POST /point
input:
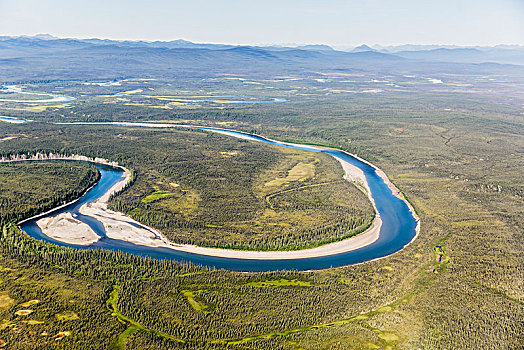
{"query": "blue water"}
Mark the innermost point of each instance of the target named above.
(398, 223)
(217, 99)
(273, 100)
(14, 120)
(222, 99)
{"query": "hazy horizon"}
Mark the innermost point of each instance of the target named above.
(277, 44)
(334, 22)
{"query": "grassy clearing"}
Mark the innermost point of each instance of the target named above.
(5, 323)
(32, 322)
(157, 195)
(30, 303)
(185, 202)
(228, 154)
(40, 108)
(5, 300)
(195, 304)
(67, 316)
(130, 92)
(300, 172)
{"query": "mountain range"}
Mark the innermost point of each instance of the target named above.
(46, 57)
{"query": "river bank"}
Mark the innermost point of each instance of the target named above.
(395, 224)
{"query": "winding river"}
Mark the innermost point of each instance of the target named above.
(18, 90)
(399, 223)
(225, 101)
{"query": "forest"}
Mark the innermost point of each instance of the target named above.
(30, 188)
(455, 154)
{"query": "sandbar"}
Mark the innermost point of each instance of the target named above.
(65, 228)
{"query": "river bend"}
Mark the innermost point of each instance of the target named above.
(399, 223)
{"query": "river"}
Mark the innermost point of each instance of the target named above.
(399, 225)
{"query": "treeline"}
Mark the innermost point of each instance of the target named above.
(150, 293)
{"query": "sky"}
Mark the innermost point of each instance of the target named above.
(334, 22)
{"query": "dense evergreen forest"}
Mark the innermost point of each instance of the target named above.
(456, 155)
(30, 188)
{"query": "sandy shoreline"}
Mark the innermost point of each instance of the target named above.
(122, 227)
(346, 245)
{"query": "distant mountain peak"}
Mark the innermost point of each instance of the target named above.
(362, 48)
(180, 41)
(45, 37)
(315, 47)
